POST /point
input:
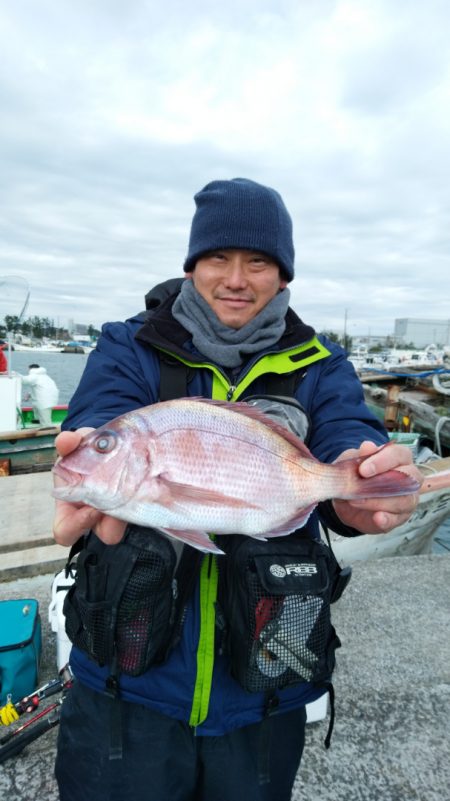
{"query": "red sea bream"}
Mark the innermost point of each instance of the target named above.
(193, 466)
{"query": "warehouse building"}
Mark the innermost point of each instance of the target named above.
(421, 333)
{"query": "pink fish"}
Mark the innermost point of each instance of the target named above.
(192, 466)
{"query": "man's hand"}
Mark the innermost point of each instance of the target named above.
(72, 520)
(379, 515)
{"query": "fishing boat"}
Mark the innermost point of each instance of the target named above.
(411, 393)
(25, 447)
(76, 347)
(428, 358)
(59, 414)
(409, 405)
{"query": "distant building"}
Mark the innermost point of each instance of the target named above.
(370, 340)
(80, 328)
(83, 338)
(421, 332)
(77, 329)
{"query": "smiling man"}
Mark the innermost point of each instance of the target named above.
(237, 284)
(187, 727)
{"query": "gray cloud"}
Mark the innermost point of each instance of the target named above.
(113, 116)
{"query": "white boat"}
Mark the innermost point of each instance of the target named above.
(38, 348)
(392, 360)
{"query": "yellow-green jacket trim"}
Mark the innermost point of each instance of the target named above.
(205, 649)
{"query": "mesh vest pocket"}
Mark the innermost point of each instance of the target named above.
(145, 613)
(275, 598)
(123, 605)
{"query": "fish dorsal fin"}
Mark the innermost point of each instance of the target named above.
(256, 414)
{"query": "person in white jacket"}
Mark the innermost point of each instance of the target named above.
(43, 393)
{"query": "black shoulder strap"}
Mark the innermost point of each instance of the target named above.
(173, 378)
(284, 385)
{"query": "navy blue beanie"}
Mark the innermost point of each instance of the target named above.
(241, 215)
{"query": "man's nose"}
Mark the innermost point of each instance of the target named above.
(236, 275)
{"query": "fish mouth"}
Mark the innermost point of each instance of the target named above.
(69, 486)
(65, 477)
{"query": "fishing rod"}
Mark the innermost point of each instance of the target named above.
(15, 740)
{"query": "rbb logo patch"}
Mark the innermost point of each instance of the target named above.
(297, 569)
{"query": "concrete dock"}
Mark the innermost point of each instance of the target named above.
(27, 546)
(391, 740)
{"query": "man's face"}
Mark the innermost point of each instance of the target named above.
(237, 284)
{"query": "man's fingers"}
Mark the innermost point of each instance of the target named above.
(110, 530)
(388, 457)
(70, 523)
(67, 441)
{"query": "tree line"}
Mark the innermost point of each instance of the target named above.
(39, 327)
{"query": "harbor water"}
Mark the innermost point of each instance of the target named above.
(66, 370)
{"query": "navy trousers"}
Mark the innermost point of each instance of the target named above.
(163, 760)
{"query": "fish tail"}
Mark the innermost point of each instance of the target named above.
(389, 483)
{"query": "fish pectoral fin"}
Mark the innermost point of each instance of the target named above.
(198, 539)
(300, 518)
(174, 493)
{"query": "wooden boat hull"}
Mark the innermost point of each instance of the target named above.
(30, 449)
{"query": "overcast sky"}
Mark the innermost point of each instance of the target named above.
(114, 113)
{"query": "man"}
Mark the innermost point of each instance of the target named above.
(189, 731)
(43, 393)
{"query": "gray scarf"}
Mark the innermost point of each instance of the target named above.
(220, 343)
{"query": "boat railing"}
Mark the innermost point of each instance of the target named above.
(437, 434)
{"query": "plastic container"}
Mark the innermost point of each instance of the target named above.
(410, 439)
(10, 393)
(317, 710)
(60, 585)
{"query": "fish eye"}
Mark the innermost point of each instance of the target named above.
(105, 442)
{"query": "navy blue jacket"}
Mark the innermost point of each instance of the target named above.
(122, 374)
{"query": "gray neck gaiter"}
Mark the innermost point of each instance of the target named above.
(220, 343)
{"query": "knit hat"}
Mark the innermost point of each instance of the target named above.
(241, 214)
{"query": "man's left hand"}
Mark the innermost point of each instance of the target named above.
(379, 515)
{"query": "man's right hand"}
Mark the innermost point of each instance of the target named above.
(72, 520)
